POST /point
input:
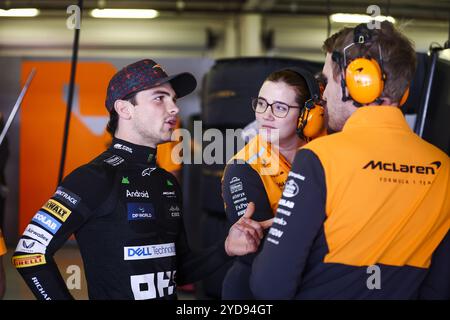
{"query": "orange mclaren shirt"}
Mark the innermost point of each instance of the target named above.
(401, 184)
(270, 167)
(373, 194)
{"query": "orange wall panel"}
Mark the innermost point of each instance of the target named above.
(42, 119)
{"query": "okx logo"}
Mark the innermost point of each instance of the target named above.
(153, 285)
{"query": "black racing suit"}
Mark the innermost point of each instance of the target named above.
(127, 218)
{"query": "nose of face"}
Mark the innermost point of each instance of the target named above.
(268, 115)
(172, 108)
(324, 94)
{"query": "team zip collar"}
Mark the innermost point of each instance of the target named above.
(377, 116)
(133, 152)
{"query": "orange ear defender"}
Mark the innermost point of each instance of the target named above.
(364, 80)
(311, 122)
(363, 77)
(404, 98)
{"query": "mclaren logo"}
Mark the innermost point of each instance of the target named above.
(407, 168)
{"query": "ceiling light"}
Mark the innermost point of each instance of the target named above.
(125, 13)
(358, 18)
(23, 12)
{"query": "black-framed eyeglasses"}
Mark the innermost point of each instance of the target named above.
(279, 109)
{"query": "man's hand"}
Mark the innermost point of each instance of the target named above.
(245, 235)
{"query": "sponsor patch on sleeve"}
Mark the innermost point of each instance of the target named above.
(30, 246)
(235, 185)
(291, 189)
(37, 233)
(67, 197)
(28, 260)
(57, 209)
(44, 219)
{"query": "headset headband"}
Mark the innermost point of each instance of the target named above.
(313, 86)
(362, 34)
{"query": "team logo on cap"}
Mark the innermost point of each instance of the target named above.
(158, 66)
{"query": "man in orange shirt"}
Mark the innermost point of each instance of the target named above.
(365, 212)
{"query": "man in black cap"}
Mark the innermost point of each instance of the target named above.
(125, 212)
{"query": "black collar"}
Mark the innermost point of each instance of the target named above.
(133, 152)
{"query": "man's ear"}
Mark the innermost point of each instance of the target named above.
(123, 109)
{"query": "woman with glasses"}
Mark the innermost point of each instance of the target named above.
(258, 172)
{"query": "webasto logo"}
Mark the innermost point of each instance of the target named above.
(137, 194)
(406, 168)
